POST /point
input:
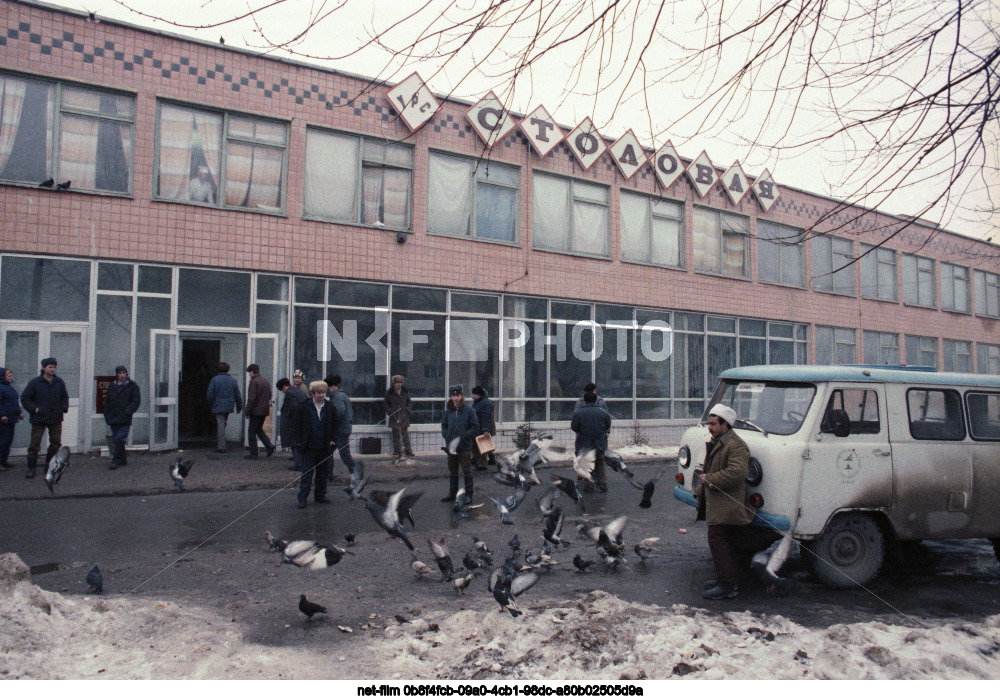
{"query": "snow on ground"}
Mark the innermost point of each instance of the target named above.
(45, 635)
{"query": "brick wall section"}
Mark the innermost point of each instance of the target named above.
(65, 45)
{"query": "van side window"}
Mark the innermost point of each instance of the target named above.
(984, 415)
(935, 414)
(861, 407)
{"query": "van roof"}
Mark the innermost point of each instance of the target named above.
(860, 373)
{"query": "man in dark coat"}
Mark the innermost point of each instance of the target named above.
(591, 424)
(121, 400)
(459, 427)
(223, 398)
(10, 414)
(288, 427)
(723, 492)
(46, 400)
(483, 407)
(316, 432)
(397, 404)
(257, 410)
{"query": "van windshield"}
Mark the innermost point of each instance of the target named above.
(776, 407)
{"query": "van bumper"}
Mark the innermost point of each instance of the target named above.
(777, 522)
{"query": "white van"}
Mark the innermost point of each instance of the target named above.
(851, 459)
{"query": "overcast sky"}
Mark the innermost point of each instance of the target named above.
(655, 117)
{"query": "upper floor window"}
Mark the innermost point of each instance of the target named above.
(954, 288)
(652, 230)
(356, 179)
(878, 273)
(918, 281)
(987, 294)
(720, 243)
(833, 265)
(472, 198)
(221, 159)
(58, 132)
(779, 254)
(570, 216)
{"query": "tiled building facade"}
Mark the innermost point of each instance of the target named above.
(221, 203)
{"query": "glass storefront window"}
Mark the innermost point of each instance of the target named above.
(213, 298)
(44, 289)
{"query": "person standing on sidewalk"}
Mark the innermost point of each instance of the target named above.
(288, 427)
(316, 432)
(46, 400)
(459, 427)
(397, 404)
(257, 410)
(344, 425)
(121, 400)
(483, 407)
(10, 414)
(223, 398)
(592, 425)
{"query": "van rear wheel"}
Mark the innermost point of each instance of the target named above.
(849, 553)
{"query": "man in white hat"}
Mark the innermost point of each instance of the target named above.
(201, 188)
(723, 494)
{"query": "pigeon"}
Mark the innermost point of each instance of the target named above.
(443, 559)
(462, 505)
(519, 468)
(452, 447)
(421, 569)
(645, 548)
(608, 538)
(515, 544)
(312, 555)
(462, 583)
(47, 184)
(614, 460)
(179, 471)
(57, 465)
(647, 488)
(480, 546)
(568, 486)
(546, 503)
(273, 542)
(309, 608)
(503, 510)
(349, 538)
(470, 562)
(354, 489)
(581, 564)
(553, 528)
(64, 185)
(389, 514)
(767, 563)
(95, 580)
(514, 500)
(583, 465)
(505, 591)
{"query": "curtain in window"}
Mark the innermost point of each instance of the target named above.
(496, 213)
(176, 132)
(208, 136)
(331, 177)
(635, 228)
(253, 176)
(371, 194)
(666, 242)
(449, 195)
(396, 205)
(734, 254)
(590, 228)
(551, 213)
(11, 101)
(78, 150)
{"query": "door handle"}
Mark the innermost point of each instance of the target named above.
(881, 453)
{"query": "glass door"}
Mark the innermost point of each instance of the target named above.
(263, 351)
(163, 376)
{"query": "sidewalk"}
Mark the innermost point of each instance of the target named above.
(147, 473)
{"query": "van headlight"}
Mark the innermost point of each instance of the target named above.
(755, 473)
(684, 456)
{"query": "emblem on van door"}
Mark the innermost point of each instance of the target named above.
(849, 463)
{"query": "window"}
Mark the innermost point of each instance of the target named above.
(779, 254)
(835, 346)
(720, 243)
(61, 132)
(987, 358)
(221, 159)
(954, 288)
(878, 273)
(921, 351)
(918, 281)
(861, 408)
(935, 414)
(652, 230)
(570, 216)
(957, 355)
(472, 198)
(987, 294)
(833, 268)
(881, 348)
(984, 415)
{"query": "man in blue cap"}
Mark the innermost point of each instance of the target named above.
(120, 402)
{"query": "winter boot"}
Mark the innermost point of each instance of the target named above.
(468, 489)
(32, 464)
(122, 455)
(452, 489)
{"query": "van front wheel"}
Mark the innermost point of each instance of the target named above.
(849, 552)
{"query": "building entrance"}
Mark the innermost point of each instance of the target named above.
(201, 354)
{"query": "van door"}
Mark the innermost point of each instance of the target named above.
(852, 472)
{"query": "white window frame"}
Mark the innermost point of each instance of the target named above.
(874, 260)
(651, 217)
(952, 350)
(882, 342)
(919, 348)
(824, 248)
(987, 358)
(987, 291)
(838, 339)
(576, 194)
(725, 225)
(955, 288)
(479, 171)
(784, 239)
(919, 282)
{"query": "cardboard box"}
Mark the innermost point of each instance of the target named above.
(485, 444)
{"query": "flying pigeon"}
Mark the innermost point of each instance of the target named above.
(354, 489)
(645, 548)
(546, 503)
(312, 555)
(95, 580)
(767, 563)
(389, 514)
(553, 528)
(582, 564)
(452, 447)
(443, 559)
(419, 568)
(273, 542)
(519, 468)
(57, 465)
(608, 538)
(568, 486)
(462, 505)
(179, 471)
(614, 460)
(583, 465)
(309, 608)
(647, 488)
(506, 589)
(503, 510)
